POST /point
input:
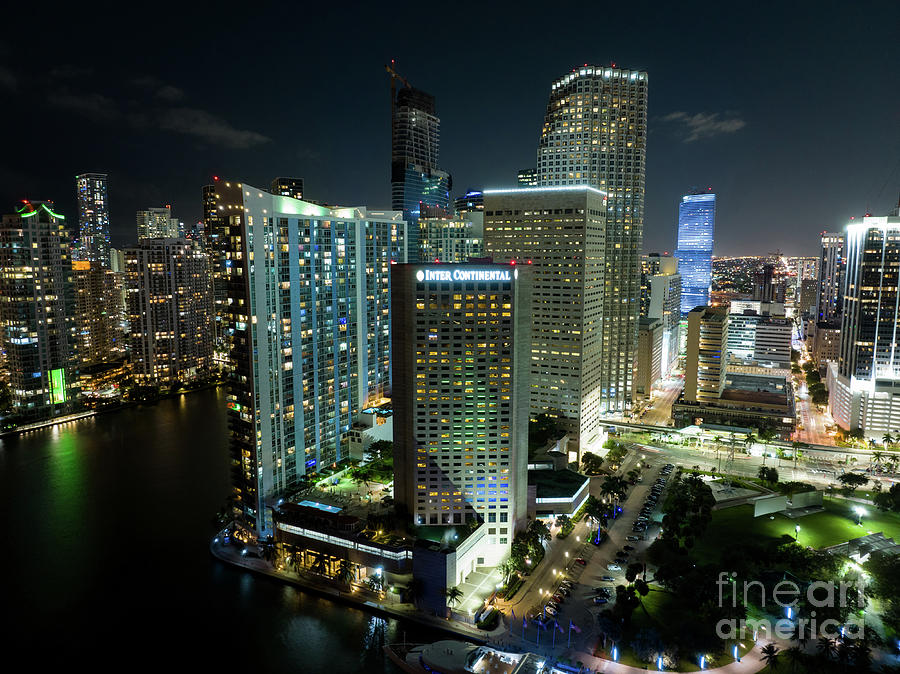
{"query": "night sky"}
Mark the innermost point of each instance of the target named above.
(789, 111)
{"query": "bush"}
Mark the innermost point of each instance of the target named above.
(510, 591)
(490, 621)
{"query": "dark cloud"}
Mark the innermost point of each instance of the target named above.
(169, 93)
(210, 128)
(92, 105)
(7, 79)
(704, 125)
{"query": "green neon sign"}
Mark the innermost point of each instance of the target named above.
(32, 213)
(58, 386)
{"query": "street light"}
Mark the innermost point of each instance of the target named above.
(797, 533)
(859, 513)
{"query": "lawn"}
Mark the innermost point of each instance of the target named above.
(662, 610)
(837, 524)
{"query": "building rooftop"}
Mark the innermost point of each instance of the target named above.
(556, 483)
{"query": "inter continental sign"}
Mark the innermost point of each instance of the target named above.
(464, 275)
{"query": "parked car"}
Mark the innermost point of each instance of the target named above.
(608, 579)
(632, 538)
(558, 598)
(613, 567)
(628, 547)
(551, 611)
(601, 600)
(581, 560)
(565, 592)
(621, 560)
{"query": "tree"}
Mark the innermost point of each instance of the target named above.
(453, 595)
(609, 626)
(887, 438)
(795, 656)
(591, 463)
(647, 644)
(382, 449)
(345, 573)
(749, 441)
(888, 500)
(540, 532)
(769, 655)
(851, 481)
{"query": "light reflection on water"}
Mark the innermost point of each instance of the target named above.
(108, 521)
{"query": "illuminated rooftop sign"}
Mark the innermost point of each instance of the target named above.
(464, 275)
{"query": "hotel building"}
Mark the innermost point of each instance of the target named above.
(461, 345)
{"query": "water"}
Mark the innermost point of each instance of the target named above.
(106, 525)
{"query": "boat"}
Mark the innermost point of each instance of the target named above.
(460, 657)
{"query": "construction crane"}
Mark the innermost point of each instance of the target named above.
(394, 77)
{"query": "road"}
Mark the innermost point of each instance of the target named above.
(662, 399)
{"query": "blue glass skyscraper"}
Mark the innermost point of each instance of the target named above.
(696, 222)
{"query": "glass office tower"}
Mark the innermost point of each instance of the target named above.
(93, 217)
(696, 223)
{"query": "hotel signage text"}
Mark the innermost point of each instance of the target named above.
(463, 275)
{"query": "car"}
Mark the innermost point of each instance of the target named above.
(628, 547)
(603, 591)
(608, 579)
(632, 538)
(551, 611)
(621, 553)
(558, 598)
(620, 560)
(613, 567)
(567, 584)
(553, 605)
(581, 560)
(601, 600)
(564, 592)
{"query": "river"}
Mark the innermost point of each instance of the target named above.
(107, 522)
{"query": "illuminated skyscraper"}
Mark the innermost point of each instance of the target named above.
(157, 223)
(864, 386)
(287, 187)
(831, 274)
(696, 225)
(93, 217)
(416, 180)
(169, 309)
(461, 345)
(37, 310)
(306, 320)
(586, 297)
(527, 177)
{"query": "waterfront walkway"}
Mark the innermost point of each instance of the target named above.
(501, 638)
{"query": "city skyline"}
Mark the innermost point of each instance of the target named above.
(735, 139)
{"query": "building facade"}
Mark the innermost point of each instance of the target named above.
(416, 180)
(696, 228)
(586, 299)
(661, 298)
(706, 362)
(831, 273)
(648, 356)
(452, 239)
(170, 311)
(462, 348)
(92, 194)
(37, 311)
(287, 187)
(527, 177)
(307, 323)
(864, 388)
(157, 223)
(99, 310)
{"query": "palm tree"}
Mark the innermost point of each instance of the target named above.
(796, 657)
(749, 441)
(878, 456)
(769, 655)
(887, 438)
(345, 572)
(766, 435)
(825, 647)
(318, 565)
(452, 595)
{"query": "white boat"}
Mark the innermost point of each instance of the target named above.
(460, 657)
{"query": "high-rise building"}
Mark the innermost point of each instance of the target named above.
(661, 299)
(831, 272)
(416, 180)
(767, 287)
(807, 269)
(471, 202)
(157, 223)
(217, 209)
(807, 297)
(451, 239)
(287, 187)
(705, 364)
(98, 313)
(527, 177)
(586, 299)
(93, 217)
(169, 308)
(461, 353)
(864, 387)
(595, 133)
(37, 317)
(307, 323)
(648, 356)
(696, 228)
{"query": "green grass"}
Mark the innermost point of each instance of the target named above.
(837, 524)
